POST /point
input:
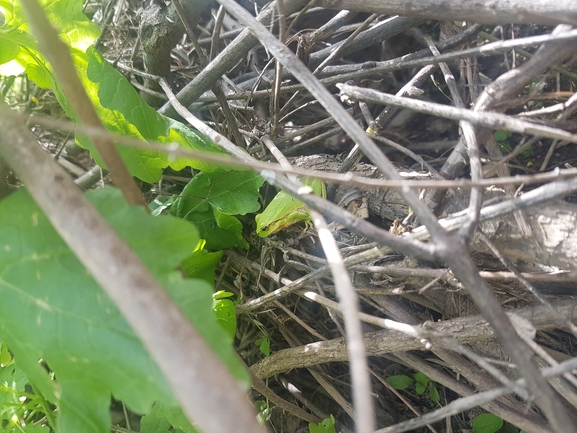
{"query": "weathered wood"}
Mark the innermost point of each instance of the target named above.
(478, 11)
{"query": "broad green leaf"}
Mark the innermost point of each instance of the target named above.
(487, 423)
(153, 423)
(202, 264)
(8, 51)
(327, 425)
(284, 210)
(53, 310)
(231, 192)
(399, 381)
(210, 201)
(175, 416)
(224, 232)
(117, 103)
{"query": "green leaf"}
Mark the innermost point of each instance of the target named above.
(327, 425)
(527, 152)
(420, 388)
(263, 344)
(117, 103)
(264, 411)
(501, 135)
(434, 393)
(8, 51)
(422, 378)
(160, 204)
(211, 199)
(224, 232)
(202, 264)
(153, 423)
(53, 310)
(487, 423)
(230, 192)
(225, 311)
(161, 415)
(399, 381)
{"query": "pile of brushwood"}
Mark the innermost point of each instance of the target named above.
(421, 277)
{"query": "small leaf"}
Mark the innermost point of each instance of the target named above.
(501, 135)
(422, 378)
(263, 411)
(434, 393)
(222, 294)
(487, 423)
(263, 344)
(327, 425)
(527, 152)
(202, 264)
(400, 381)
(420, 388)
(173, 415)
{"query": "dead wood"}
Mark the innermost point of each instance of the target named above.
(398, 269)
(510, 11)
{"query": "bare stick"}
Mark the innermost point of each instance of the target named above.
(481, 11)
(489, 119)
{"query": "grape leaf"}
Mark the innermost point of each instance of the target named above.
(202, 264)
(52, 309)
(210, 201)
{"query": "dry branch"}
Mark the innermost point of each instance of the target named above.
(485, 11)
(463, 329)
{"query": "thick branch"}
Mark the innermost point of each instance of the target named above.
(465, 330)
(479, 11)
